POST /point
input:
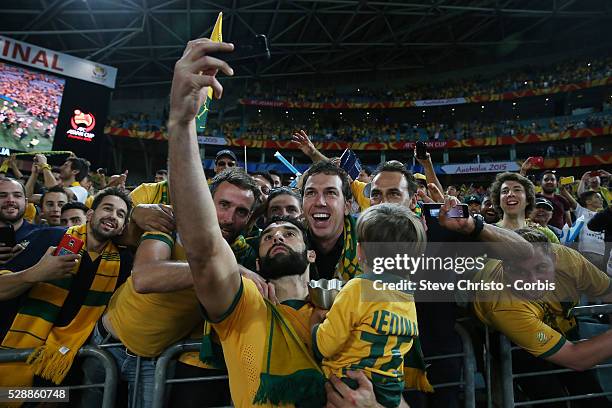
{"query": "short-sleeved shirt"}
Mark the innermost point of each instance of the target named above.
(149, 323)
(367, 329)
(151, 193)
(560, 206)
(243, 332)
(358, 189)
(588, 240)
(541, 327)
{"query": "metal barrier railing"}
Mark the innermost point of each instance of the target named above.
(108, 363)
(161, 371)
(467, 382)
(508, 376)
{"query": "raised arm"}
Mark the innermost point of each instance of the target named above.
(215, 272)
(428, 168)
(568, 196)
(41, 160)
(307, 147)
(29, 186)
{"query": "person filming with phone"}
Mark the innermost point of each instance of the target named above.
(52, 306)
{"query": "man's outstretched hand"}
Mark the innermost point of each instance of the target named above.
(193, 74)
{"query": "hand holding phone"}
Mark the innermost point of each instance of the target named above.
(537, 160)
(254, 50)
(69, 245)
(595, 173)
(421, 150)
(51, 267)
(432, 210)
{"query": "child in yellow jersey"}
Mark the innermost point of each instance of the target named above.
(371, 327)
(371, 330)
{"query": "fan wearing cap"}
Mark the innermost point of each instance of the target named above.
(542, 214)
(473, 203)
(224, 159)
(421, 181)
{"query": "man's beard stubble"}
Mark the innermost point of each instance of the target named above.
(283, 264)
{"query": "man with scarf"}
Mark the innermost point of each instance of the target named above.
(327, 196)
(161, 285)
(266, 345)
(57, 312)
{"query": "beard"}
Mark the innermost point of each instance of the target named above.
(283, 264)
(10, 219)
(548, 189)
(100, 234)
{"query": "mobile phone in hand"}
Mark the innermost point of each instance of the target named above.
(421, 150)
(7, 236)
(432, 210)
(68, 245)
(245, 52)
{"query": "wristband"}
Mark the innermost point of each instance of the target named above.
(45, 166)
(479, 225)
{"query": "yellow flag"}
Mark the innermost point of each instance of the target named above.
(202, 115)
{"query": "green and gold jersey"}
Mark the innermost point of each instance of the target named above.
(541, 327)
(368, 329)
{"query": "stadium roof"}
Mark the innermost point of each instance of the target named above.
(144, 38)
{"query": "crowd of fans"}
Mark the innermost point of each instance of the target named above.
(30, 103)
(376, 132)
(568, 72)
(246, 265)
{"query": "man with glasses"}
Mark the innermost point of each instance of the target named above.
(224, 159)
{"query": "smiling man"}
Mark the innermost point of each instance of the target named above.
(327, 196)
(161, 285)
(537, 318)
(561, 207)
(67, 301)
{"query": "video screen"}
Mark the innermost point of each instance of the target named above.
(29, 107)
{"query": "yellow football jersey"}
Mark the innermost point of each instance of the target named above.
(368, 329)
(541, 327)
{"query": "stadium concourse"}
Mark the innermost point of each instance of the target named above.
(382, 204)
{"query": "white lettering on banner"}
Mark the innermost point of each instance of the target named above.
(52, 61)
(5, 151)
(212, 140)
(429, 144)
(440, 102)
(496, 167)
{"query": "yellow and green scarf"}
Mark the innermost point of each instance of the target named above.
(5, 164)
(289, 374)
(33, 327)
(348, 265)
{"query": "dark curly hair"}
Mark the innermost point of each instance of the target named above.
(508, 176)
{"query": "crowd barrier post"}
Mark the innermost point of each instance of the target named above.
(505, 352)
(161, 370)
(469, 367)
(107, 361)
(487, 366)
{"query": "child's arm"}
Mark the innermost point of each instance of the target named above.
(329, 337)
